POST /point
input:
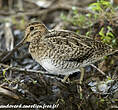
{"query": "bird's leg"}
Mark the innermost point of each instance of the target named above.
(82, 75)
(65, 78)
(79, 88)
(81, 78)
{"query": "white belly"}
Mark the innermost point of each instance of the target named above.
(51, 68)
(48, 65)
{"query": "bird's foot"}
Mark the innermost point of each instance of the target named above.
(65, 79)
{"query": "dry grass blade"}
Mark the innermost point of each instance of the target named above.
(9, 39)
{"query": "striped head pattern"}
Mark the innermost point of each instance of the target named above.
(33, 30)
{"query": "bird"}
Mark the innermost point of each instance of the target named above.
(63, 52)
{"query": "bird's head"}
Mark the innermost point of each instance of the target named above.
(35, 29)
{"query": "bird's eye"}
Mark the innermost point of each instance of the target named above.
(31, 28)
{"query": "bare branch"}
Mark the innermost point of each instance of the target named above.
(11, 52)
(22, 69)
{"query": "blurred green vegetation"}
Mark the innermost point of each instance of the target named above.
(103, 10)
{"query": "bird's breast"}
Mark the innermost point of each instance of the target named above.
(48, 64)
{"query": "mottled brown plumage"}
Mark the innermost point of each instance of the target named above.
(63, 52)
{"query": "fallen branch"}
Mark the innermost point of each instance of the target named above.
(22, 69)
(8, 92)
(11, 52)
(45, 11)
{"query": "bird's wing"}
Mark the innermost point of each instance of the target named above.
(70, 46)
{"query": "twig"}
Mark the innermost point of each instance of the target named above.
(8, 92)
(98, 69)
(11, 52)
(29, 71)
(22, 69)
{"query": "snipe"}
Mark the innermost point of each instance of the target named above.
(63, 52)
